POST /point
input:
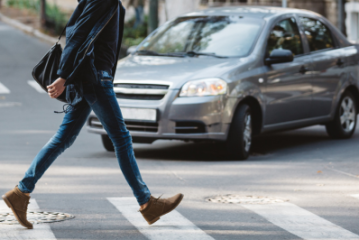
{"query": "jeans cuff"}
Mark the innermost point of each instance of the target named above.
(146, 199)
(23, 188)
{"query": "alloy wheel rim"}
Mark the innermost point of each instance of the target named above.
(347, 114)
(247, 133)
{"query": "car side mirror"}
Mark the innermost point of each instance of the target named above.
(131, 50)
(279, 56)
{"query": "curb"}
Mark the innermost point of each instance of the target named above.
(29, 30)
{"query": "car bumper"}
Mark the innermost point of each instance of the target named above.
(186, 118)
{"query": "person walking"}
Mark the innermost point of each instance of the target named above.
(86, 71)
(139, 10)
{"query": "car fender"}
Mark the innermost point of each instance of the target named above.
(243, 90)
(349, 79)
(345, 82)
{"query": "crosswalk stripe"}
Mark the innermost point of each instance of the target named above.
(36, 86)
(355, 196)
(301, 222)
(18, 232)
(3, 89)
(173, 226)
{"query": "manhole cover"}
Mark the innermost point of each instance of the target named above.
(8, 218)
(244, 199)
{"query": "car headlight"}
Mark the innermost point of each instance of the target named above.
(204, 87)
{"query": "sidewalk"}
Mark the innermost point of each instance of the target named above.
(27, 22)
(66, 5)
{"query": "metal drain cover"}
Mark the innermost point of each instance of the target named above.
(236, 199)
(8, 218)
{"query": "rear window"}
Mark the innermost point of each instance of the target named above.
(318, 35)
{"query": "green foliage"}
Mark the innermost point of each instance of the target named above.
(56, 18)
(134, 36)
(24, 4)
(57, 21)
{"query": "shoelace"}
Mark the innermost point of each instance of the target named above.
(66, 108)
(156, 200)
(159, 197)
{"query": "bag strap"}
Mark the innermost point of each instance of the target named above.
(62, 33)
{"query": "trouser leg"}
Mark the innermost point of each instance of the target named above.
(63, 139)
(108, 111)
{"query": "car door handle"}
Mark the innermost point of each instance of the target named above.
(340, 62)
(303, 70)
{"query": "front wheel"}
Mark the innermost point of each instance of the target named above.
(107, 143)
(345, 119)
(239, 140)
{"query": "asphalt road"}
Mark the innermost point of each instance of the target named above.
(316, 176)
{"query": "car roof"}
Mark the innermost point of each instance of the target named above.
(249, 11)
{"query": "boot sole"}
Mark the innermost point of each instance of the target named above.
(158, 218)
(14, 212)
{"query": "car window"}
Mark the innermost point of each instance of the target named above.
(318, 35)
(285, 35)
(231, 36)
(173, 40)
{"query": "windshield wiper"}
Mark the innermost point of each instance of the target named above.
(194, 53)
(152, 53)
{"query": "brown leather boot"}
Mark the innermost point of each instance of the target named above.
(158, 207)
(18, 202)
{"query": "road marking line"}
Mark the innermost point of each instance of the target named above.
(36, 86)
(18, 232)
(355, 196)
(173, 226)
(301, 222)
(3, 89)
(10, 104)
(345, 173)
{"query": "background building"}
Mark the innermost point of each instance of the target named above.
(170, 9)
(352, 20)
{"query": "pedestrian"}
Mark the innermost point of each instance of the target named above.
(139, 10)
(86, 70)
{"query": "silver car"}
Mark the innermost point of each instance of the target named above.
(226, 74)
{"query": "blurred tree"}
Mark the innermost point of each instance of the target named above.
(43, 13)
(153, 16)
(139, 9)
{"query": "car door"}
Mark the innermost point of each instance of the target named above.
(288, 85)
(328, 64)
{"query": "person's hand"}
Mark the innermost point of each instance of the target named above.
(56, 88)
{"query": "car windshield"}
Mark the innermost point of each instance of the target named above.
(226, 36)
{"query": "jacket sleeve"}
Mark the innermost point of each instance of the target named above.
(93, 11)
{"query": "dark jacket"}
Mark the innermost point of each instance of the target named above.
(84, 26)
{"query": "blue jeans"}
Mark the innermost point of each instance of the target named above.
(101, 98)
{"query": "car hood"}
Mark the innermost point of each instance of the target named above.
(176, 70)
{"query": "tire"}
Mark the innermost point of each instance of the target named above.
(107, 143)
(239, 140)
(345, 119)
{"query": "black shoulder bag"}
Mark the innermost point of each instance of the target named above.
(45, 72)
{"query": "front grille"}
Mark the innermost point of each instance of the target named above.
(142, 126)
(137, 91)
(188, 127)
(131, 125)
(139, 96)
(141, 86)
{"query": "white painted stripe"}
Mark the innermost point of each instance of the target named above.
(18, 232)
(301, 222)
(172, 226)
(36, 86)
(10, 104)
(355, 196)
(3, 89)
